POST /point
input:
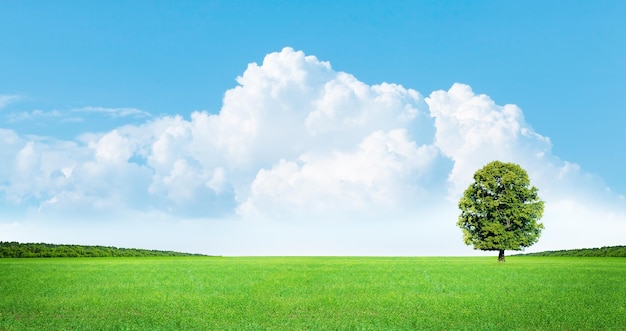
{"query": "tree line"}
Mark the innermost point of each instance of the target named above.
(23, 250)
(607, 251)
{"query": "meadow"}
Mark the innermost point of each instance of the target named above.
(313, 293)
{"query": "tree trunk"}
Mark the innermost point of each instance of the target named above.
(501, 256)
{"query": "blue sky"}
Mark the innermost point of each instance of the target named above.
(81, 80)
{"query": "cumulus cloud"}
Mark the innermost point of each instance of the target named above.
(382, 174)
(473, 130)
(299, 158)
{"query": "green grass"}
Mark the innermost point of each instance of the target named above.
(313, 293)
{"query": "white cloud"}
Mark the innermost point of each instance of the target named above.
(301, 159)
(472, 131)
(114, 112)
(6, 99)
(379, 178)
(113, 148)
(39, 169)
(301, 99)
(34, 115)
(72, 116)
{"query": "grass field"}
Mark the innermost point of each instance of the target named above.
(313, 293)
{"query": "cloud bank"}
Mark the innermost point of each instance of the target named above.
(300, 160)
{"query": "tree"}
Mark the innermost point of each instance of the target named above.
(500, 210)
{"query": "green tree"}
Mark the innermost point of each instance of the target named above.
(500, 210)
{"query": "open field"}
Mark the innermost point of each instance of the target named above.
(292, 293)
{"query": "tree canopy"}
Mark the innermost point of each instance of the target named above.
(500, 210)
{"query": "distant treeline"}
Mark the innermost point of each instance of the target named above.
(15, 249)
(608, 251)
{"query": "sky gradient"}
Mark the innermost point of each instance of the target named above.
(292, 128)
